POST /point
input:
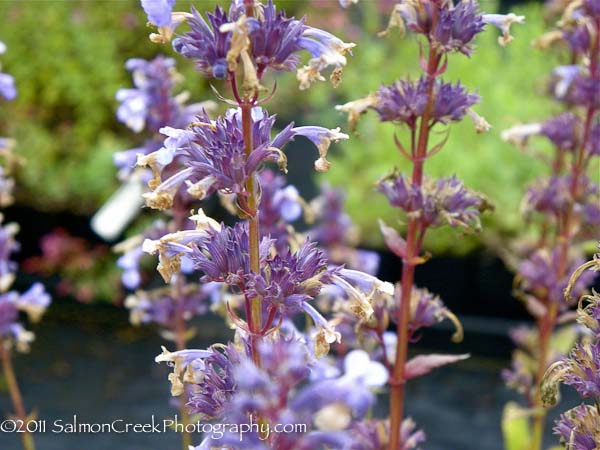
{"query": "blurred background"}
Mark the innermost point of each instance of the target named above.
(68, 58)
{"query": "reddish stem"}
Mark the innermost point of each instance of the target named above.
(565, 240)
(15, 395)
(414, 238)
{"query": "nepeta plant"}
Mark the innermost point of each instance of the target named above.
(560, 208)
(579, 428)
(33, 302)
(422, 108)
(271, 372)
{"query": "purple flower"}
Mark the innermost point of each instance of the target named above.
(276, 39)
(503, 22)
(287, 281)
(563, 131)
(579, 428)
(583, 373)
(224, 256)
(405, 101)
(584, 91)
(33, 302)
(592, 8)
(280, 205)
(7, 86)
(437, 202)
(213, 156)
(7, 82)
(152, 104)
(161, 307)
(272, 39)
(8, 246)
(335, 232)
(538, 276)
(456, 27)
(593, 146)
(553, 195)
(426, 310)
(578, 38)
(206, 44)
(216, 383)
(158, 11)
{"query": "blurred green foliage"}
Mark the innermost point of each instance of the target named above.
(68, 62)
(67, 59)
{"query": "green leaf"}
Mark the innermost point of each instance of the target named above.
(516, 427)
(564, 339)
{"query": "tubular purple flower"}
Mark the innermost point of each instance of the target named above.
(213, 156)
(185, 364)
(538, 276)
(206, 44)
(583, 373)
(438, 202)
(563, 79)
(7, 82)
(579, 428)
(456, 27)
(326, 50)
(158, 11)
(551, 196)
(503, 22)
(275, 39)
(7, 87)
(8, 246)
(322, 139)
(152, 103)
(563, 131)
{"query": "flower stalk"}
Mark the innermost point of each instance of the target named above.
(16, 397)
(416, 230)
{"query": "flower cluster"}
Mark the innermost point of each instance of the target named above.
(152, 104)
(552, 196)
(407, 101)
(214, 159)
(449, 27)
(268, 39)
(538, 278)
(435, 202)
(227, 385)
